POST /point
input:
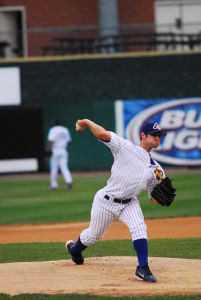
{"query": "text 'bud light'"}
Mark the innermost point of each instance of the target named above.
(180, 118)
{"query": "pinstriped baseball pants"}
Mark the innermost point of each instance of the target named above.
(105, 211)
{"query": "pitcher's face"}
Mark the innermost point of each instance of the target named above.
(153, 140)
(150, 141)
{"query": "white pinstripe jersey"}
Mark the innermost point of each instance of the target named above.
(132, 171)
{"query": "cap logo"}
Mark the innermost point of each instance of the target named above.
(156, 126)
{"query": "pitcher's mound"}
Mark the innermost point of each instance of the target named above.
(101, 276)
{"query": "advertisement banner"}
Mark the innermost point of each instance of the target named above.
(181, 118)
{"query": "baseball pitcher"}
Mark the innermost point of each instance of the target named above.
(133, 170)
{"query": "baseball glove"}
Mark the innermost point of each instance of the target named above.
(164, 192)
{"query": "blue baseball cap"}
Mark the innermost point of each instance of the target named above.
(151, 128)
(58, 122)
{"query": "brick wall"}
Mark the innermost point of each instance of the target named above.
(62, 13)
(80, 12)
(68, 13)
(138, 11)
(58, 13)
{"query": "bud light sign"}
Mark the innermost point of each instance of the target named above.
(180, 118)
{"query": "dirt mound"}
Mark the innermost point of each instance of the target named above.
(101, 276)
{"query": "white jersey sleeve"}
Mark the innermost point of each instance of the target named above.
(116, 143)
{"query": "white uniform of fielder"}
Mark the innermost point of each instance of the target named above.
(58, 139)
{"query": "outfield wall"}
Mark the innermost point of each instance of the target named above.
(87, 86)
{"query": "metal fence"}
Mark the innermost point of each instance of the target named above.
(80, 40)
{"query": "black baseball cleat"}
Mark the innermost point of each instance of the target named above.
(53, 188)
(144, 273)
(69, 185)
(76, 257)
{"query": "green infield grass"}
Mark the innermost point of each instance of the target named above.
(177, 248)
(31, 200)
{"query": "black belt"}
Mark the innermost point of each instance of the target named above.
(122, 201)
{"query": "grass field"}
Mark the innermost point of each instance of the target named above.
(178, 248)
(30, 201)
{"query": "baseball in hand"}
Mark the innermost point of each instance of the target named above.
(79, 126)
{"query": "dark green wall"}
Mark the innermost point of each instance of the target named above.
(77, 88)
(81, 81)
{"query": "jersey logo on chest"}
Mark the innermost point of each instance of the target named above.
(159, 174)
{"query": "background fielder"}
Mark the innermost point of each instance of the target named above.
(58, 139)
(133, 170)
